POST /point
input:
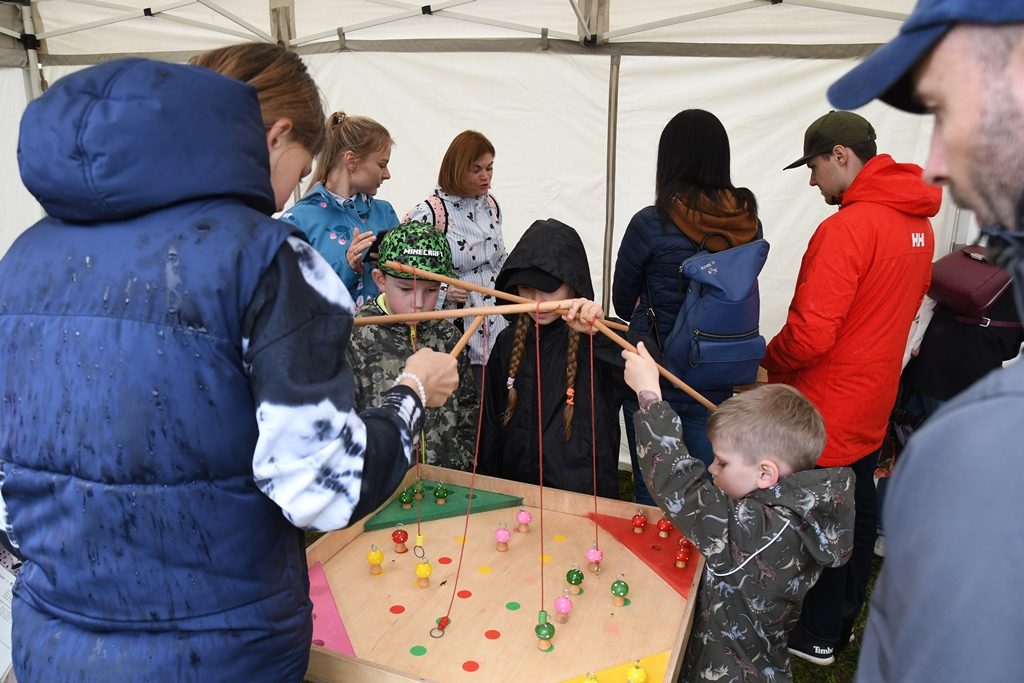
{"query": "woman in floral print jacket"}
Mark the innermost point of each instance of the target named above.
(462, 207)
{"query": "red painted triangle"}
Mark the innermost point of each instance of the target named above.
(656, 552)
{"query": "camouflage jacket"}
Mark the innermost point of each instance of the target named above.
(377, 355)
(762, 552)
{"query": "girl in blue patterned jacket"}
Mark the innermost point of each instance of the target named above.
(339, 214)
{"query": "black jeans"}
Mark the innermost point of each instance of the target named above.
(835, 601)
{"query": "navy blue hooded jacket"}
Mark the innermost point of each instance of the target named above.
(175, 397)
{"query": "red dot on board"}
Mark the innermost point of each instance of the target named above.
(470, 666)
(444, 560)
(397, 609)
(492, 635)
(465, 594)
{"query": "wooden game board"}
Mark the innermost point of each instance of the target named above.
(491, 635)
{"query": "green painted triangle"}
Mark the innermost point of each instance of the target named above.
(455, 505)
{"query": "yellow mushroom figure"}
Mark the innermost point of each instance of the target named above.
(423, 571)
(637, 674)
(375, 557)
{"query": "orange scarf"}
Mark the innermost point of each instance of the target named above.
(716, 227)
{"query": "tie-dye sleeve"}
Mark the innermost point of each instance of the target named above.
(323, 463)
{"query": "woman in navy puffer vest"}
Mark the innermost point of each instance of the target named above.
(176, 401)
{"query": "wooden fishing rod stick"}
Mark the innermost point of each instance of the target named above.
(480, 289)
(464, 339)
(533, 306)
(600, 325)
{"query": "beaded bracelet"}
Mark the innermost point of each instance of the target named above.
(419, 385)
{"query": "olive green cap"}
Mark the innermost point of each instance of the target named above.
(834, 128)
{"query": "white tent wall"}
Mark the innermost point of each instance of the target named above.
(20, 209)
(546, 119)
(762, 68)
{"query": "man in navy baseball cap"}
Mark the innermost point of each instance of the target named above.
(960, 60)
(946, 606)
(888, 73)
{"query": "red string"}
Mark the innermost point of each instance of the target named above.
(472, 482)
(419, 438)
(540, 450)
(593, 429)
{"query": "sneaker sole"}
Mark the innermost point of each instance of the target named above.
(813, 659)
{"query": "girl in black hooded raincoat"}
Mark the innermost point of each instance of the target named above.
(550, 262)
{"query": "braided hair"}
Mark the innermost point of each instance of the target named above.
(572, 364)
(518, 343)
(570, 380)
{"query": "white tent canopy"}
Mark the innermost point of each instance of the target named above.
(573, 93)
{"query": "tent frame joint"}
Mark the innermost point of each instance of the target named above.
(30, 41)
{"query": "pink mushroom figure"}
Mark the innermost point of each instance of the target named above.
(563, 605)
(502, 536)
(524, 517)
(594, 557)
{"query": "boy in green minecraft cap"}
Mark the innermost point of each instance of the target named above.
(378, 352)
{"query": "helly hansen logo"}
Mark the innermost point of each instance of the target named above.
(917, 239)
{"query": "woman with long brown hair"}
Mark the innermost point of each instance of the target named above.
(695, 204)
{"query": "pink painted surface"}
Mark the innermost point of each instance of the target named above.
(328, 629)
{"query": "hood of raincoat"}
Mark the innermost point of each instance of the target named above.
(899, 186)
(192, 134)
(818, 498)
(556, 249)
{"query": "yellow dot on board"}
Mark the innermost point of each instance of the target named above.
(559, 538)
(460, 539)
(484, 570)
(545, 558)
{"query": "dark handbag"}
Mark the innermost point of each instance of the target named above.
(967, 282)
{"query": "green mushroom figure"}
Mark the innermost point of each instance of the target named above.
(441, 493)
(406, 499)
(545, 632)
(574, 577)
(619, 590)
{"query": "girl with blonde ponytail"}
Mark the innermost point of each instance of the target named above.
(340, 213)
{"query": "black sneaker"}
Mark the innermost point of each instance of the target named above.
(810, 650)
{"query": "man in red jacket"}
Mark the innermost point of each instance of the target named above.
(861, 282)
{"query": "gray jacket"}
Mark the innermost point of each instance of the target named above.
(762, 552)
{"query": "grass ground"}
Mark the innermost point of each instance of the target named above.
(803, 672)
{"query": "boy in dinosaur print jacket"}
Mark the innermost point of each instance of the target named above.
(767, 524)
